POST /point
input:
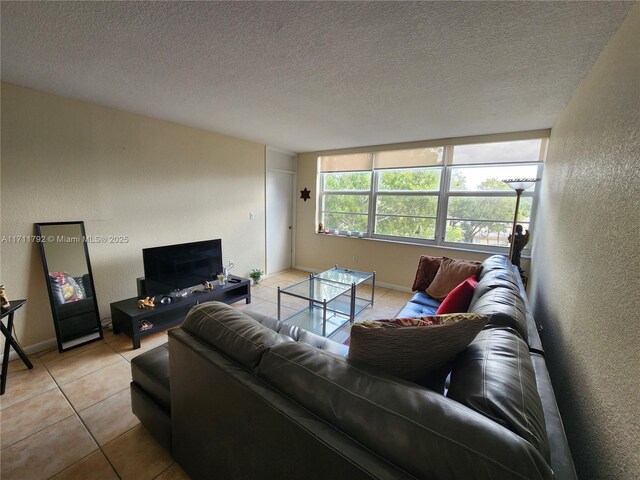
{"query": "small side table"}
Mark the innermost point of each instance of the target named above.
(10, 341)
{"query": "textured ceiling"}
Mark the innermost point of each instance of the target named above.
(307, 76)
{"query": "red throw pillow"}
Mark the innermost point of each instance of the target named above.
(459, 298)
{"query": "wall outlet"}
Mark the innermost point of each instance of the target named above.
(355, 259)
(252, 216)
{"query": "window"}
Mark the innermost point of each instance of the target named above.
(407, 202)
(449, 195)
(345, 203)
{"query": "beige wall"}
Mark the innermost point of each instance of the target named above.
(394, 263)
(156, 182)
(585, 264)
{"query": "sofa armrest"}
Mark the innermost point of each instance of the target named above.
(561, 461)
(228, 421)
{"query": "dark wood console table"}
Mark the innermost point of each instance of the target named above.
(126, 317)
(10, 341)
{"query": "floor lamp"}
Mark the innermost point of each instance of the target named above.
(519, 185)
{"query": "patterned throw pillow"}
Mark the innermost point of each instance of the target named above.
(450, 274)
(69, 287)
(416, 349)
(427, 268)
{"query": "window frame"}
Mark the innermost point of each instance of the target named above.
(448, 194)
(443, 195)
(409, 193)
(323, 194)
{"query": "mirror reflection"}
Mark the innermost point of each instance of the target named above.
(67, 269)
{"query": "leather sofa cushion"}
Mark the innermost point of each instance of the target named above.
(494, 279)
(494, 376)
(495, 262)
(233, 333)
(323, 343)
(412, 427)
(419, 306)
(300, 335)
(422, 298)
(150, 371)
(504, 307)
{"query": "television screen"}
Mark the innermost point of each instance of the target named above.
(175, 267)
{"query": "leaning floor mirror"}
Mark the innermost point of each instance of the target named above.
(67, 272)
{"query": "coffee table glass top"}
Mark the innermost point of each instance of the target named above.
(316, 289)
(344, 275)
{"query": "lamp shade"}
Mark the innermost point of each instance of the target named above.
(521, 183)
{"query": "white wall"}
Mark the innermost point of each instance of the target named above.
(128, 175)
(586, 260)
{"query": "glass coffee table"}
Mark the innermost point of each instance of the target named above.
(332, 299)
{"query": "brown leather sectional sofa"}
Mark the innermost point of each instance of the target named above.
(255, 398)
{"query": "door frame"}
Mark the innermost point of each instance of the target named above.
(294, 183)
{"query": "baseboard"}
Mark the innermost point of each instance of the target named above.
(378, 284)
(35, 348)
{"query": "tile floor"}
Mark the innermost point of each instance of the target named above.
(70, 416)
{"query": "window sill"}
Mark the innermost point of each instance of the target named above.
(496, 251)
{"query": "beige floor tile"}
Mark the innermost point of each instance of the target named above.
(294, 303)
(92, 467)
(393, 300)
(54, 355)
(47, 452)
(365, 291)
(266, 293)
(121, 342)
(257, 288)
(109, 336)
(110, 418)
(76, 366)
(300, 274)
(242, 305)
(397, 294)
(285, 280)
(93, 388)
(136, 455)
(25, 384)
(275, 281)
(146, 344)
(32, 415)
(174, 472)
(18, 365)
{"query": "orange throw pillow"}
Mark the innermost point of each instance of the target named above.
(450, 274)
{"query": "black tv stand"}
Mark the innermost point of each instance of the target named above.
(127, 318)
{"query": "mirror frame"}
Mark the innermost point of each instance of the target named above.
(54, 313)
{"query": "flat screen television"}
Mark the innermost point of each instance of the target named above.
(176, 267)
